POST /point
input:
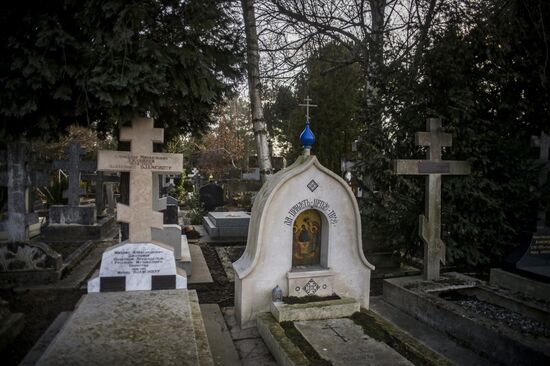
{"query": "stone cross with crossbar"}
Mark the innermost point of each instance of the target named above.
(434, 167)
(74, 166)
(141, 162)
(543, 143)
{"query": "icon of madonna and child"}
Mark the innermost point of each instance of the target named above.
(306, 240)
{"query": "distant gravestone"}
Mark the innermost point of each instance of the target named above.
(543, 143)
(18, 178)
(536, 260)
(141, 162)
(100, 180)
(135, 267)
(74, 166)
(211, 195)
(434, 167)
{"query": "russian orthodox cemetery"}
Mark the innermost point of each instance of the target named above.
(153, 213)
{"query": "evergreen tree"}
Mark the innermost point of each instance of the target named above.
(102, 62)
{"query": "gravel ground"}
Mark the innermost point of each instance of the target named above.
(502, 315)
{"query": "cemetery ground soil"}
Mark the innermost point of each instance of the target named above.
(41, 307)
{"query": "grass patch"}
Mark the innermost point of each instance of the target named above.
(299, 341)
(379, 329)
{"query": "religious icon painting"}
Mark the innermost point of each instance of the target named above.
(306, 240)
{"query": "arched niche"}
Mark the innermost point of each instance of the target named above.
(310, 241)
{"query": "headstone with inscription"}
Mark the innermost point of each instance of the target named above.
(145, 223)
(305, 237)
(138, 310)
(135, 267)
(433, 167)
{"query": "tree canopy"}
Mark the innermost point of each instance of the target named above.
(101, 62)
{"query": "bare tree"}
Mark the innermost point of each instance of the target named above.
(254, 89)
(377, 33)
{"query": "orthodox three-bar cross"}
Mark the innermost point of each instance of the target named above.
(74, 166)
(543, 143)
(434, 167)
(141, 162)
(307, 105)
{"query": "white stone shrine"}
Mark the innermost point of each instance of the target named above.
(305, 237)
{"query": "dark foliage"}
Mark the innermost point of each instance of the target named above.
(100, 62)
(485, 75)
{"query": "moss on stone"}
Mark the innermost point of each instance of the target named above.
(299, 341)
(292, 351)
(379, 329)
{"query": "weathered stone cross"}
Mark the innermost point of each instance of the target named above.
(434, 167)
(74, 166)
(141, 162)
(307, 105)
(18, 178)
(543, 143)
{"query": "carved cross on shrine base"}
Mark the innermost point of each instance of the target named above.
(434, 167)
(141, 162)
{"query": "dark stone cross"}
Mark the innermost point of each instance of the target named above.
(18, 177)
(543, 143)
(335, 330)
(100, 179)
(74, 166)
(434, 167)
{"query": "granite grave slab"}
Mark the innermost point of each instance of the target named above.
(343, 343)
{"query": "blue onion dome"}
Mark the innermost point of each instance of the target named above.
(307, 138)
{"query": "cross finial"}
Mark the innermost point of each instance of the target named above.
(307, 105)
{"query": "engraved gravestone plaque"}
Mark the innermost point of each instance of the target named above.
(137, 266)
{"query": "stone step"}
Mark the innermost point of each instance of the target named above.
(201, 272)
(221, 345)
(437, 341)
(185, 261)
(201, 338)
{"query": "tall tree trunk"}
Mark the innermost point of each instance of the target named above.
(254, 89)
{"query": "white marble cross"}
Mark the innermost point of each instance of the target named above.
(307, 105)
(434, 167)
(141, 162)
